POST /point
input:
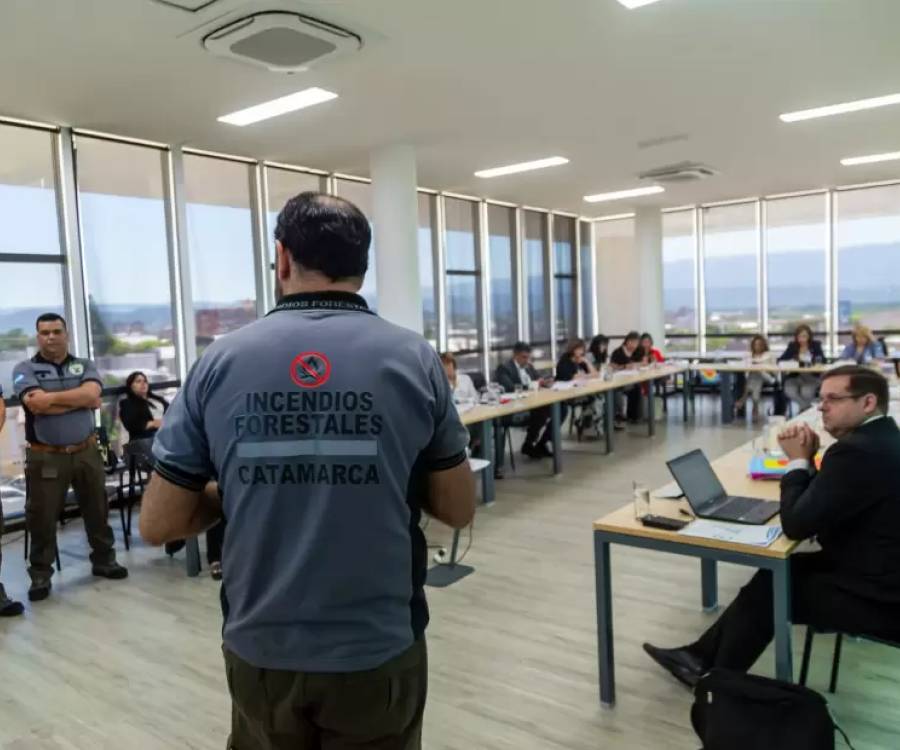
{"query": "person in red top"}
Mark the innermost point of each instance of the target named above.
(646, 353)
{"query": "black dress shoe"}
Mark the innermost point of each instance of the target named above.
(679, 662)
(498, 473)
(530, 450)
(10, 608)
(113, 571)
(543, 450)
(39, 591)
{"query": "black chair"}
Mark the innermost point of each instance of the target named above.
(836, 658)
(503, 434)
(138, 456)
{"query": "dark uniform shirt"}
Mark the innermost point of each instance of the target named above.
(321, 422)
(56, 429)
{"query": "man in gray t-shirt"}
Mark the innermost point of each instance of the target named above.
(328, 430)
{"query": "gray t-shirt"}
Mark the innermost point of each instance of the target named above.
(56, 429)
(321, 422)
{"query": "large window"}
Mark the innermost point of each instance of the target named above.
(220, 238)
(463, 282)
(586, 279)
(123, 226)
(564, 278)
(796, 258)
(360, 194)
(730, 267)
(281, 186)
(427, 224)
(504, 299)
(867, 238)
(679, 280)
(536, 282)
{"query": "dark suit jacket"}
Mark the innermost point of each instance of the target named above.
(135, 414)
(507, 375)
(853, 506)
(793, 352)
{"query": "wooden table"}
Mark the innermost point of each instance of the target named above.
(727, 370)
(486, 415)
(621, 527)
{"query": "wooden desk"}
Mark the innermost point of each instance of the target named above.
(620, 527)
(486, 415)
(727, 370)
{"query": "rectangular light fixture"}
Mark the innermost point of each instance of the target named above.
(280, 106)
(871, 159)
(632, 4)
(619, 194)
(841, 109)
(525, 166)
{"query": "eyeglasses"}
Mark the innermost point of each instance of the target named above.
(831, 399)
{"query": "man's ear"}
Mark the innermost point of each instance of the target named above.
(282, 261)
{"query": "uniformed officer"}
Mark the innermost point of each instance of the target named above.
(59, 393)
(8, 607)
(329, 430)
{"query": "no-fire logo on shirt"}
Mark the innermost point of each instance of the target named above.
(310, 369)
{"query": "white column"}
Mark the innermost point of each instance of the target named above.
(396, 221)
(648, 253)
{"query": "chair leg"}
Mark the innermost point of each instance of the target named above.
(58, 563)
(125, 528)
(807, 652)
(836, 662)
(26, 543)
(512, 452)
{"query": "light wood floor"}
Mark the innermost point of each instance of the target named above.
(137, 664)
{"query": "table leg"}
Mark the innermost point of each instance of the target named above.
(487, 451)
(726, 382)
(192, 556)
(781, 591)
(710, 585)
(606, 661)
(556, 420)
(651, 408)
(686, 395)
(609, 415)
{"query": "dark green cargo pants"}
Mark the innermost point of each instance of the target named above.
(2, 590)
(49, 477)
(380, 709)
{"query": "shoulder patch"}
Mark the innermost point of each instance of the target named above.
(19, 378)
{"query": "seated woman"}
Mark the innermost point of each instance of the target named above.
(754, 381)
(573, 365)
(142, 413)
(863, 347)
(802, 387)
(599, 350)
(645, 354)
(462, 385)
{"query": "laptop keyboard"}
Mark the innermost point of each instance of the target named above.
(738, 507)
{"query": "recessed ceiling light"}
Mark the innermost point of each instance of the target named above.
(280, 106)
(841, 109)
(525, 166)
(632, 4)
(619, 194)
(871, 159)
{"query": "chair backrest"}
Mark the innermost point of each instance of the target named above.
(139, 454)
(478, 379)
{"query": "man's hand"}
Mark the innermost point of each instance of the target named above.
(799, 441)
(38, 401)
(545, 382)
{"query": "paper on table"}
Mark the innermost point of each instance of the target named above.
(478, 464)
(736, 533)
(564, 385)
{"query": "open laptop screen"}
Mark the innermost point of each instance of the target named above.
(697, 479)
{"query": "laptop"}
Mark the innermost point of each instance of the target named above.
(707, 496)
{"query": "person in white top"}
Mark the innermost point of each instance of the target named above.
(759, 355)
(462, 385)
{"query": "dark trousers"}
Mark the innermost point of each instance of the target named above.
(49, 476)
(380, 709)
(540, 429)
(819, 597)
(214, 538)
(2, 590)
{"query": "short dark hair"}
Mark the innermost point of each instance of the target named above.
(863, 380)
(325, 233)
(521, 346)
(50, 317)
(632, 335)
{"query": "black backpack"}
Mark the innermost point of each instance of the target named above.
(737, 711)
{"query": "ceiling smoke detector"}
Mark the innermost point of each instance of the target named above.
(685, 171)
(280, 41)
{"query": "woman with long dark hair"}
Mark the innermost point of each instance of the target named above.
(802, 387)
(141, 411)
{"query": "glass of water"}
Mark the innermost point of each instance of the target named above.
(641, 501)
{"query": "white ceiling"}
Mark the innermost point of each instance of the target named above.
(482, 83)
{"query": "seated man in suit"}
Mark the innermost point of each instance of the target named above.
(852, 505)
(520, 371)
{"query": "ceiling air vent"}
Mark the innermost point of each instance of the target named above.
(280, 41)
(685, 171)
